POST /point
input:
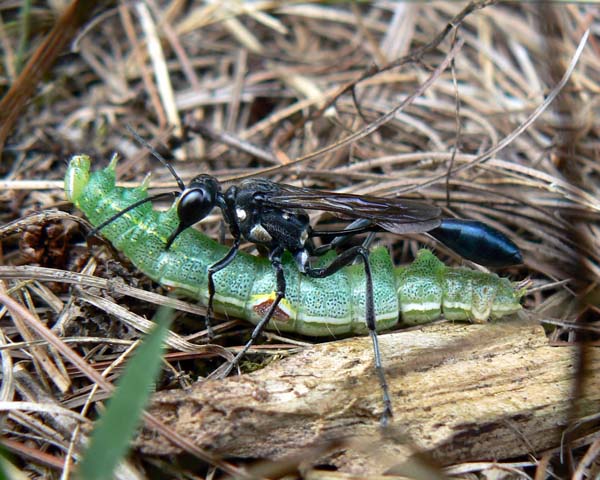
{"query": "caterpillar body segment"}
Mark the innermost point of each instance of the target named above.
(334, 305)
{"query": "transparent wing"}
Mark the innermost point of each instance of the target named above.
(392, 214)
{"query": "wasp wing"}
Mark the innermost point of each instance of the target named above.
(395, 215)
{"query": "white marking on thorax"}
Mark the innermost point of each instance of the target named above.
(241, 214)
(304, 236)
(260, 234)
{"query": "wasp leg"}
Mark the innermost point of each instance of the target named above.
(342, 260)
(214, 268)
(275, 258)
(339, 238)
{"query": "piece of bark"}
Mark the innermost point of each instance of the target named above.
(459, 392)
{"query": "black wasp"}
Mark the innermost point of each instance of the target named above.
(273, 216)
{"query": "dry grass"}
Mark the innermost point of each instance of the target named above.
(284, 82)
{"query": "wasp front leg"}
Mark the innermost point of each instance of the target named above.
(212, 270)
(275, 258)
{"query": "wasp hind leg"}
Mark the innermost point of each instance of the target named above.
(342, 260)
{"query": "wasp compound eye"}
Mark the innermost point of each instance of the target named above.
(194, 205)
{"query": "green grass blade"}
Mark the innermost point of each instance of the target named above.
(7, 470)
(115, 429)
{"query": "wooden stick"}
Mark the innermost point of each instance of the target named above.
(460, 393)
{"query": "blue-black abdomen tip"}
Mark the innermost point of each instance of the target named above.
(478, 242)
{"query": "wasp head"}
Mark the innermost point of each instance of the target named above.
(195, 203)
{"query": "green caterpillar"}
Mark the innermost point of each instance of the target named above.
(335, 305)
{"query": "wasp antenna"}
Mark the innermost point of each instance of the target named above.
(113, 161)
(156, 155)
(110, 220)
